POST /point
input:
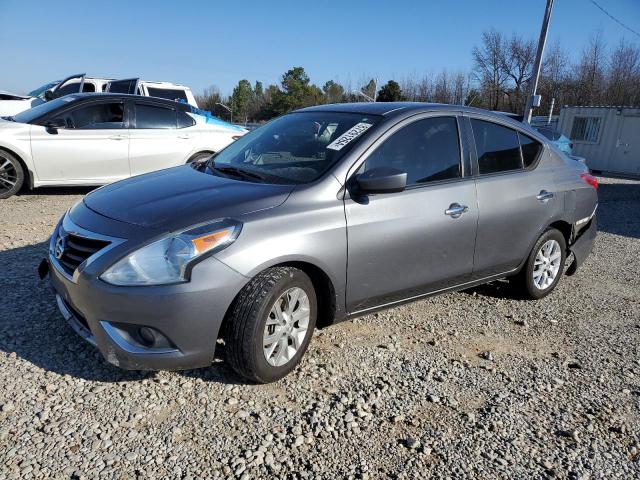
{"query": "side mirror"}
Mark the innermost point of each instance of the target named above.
(52, 126)
(49, 95)
(381, 180)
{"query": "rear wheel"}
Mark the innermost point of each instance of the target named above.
(545, 265)
(11, 174)
(271, 324)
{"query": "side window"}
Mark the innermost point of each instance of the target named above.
(168, 93)
(154, 116)
(88, 87)
(184, 120)
(428, 150)
(97, 116)
(67, 88)
(530, 149)
(497, 147)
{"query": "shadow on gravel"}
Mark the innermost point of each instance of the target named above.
(32, 329)
(496, 289)
(619, 209)
(55, 191)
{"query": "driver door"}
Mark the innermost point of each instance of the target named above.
(91, 149)
(405, 244)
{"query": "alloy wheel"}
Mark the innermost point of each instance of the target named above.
(286, 327)
(547, 264)
(8, 174)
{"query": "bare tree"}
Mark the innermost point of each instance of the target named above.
(623, 85)
(488, 60)
(590, 72)
(517, 64)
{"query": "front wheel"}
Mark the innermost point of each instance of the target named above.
(545, 265)
(271, 324)
(11, 175)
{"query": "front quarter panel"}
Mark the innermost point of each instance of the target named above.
(309, 227)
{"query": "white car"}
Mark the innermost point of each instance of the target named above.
(11, 104)
(98, 138)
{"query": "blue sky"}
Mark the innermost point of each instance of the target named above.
(202, 43)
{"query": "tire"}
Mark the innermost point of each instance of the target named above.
(254, 315)
(11, 174)
(535, 280)
(199, 157)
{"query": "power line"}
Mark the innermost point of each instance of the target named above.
(615, 19)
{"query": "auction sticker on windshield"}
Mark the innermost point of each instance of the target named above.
(344, 139)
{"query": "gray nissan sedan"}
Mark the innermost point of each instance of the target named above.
(321, 215)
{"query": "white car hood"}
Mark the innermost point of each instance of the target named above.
(4, 95)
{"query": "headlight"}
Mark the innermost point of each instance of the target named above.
(169, 260)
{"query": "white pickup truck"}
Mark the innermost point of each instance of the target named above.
(11, 104)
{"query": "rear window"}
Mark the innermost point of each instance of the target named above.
(185, 120)
(549, 133)
(497, 147)
(155, 117)
(168, 93)
(530, 149)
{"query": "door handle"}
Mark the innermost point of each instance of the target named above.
(455, 210)
(543, 196)
(117, 137)
(184, 136)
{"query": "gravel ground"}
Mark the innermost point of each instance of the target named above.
(476, 384)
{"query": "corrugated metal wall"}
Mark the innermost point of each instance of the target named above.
(600, 154)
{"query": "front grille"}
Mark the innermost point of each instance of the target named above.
(72, 250)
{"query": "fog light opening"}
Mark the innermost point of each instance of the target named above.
(147, 336)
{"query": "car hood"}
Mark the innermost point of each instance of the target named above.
(179, 197)
(4, 95)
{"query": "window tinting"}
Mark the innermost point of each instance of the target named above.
(530, 149)
(97, 116)
(152, 116)
(428, 150)
(168, 93)
(497, 147)
(585, 129)
(67, 88)
(184, 120)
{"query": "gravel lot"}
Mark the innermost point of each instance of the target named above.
(476, 384)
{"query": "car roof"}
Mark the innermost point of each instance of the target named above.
(392, 109)
(93, 95)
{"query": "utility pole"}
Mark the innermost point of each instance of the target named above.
(533, 99)
(553, 102)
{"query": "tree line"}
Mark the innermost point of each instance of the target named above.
(500, 77)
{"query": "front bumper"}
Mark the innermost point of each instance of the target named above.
(189, 314)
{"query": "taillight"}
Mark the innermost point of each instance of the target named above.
(590, 179)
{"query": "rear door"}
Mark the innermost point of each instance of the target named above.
(156, 142)
(517, 196)
(405, 244)
(92, 148)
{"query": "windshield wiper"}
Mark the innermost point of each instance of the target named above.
(238, 172)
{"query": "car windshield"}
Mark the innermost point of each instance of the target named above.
(551, 134)
(295, 148)
(40, 90)
(34, 113)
